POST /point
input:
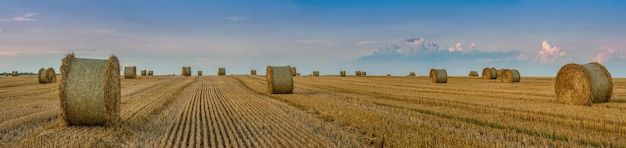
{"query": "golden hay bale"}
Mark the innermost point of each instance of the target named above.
(199, 72)
(499, 72)
(47, 76)
(186, 71)
(342, 73)
(279, 79)
(583, 84)
(510, 76)
(15, 73)
(357, 73)
(297, 74)
(389, 75)
(439, 75)
(253, 72)
(90, 91)
(363, 73)
(221, 71)
(489, 73)
(316, 73)
(130, 72)
(411, 74)
(473, 74)
(294, 72)
(143, 72)
(150, 72)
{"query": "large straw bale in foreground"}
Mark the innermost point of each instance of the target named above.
(583, 84)
(438, 75)
(279, 79)
(89, 91)
(47, 76)
(186, 71)
(490, 73)
(130, 72)
(510, 76)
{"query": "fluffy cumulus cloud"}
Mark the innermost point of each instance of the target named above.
(236, 18)
(420, 50)
(26, 17)
(549, 53)
(604, 56)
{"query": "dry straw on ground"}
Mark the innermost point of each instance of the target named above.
(150, 73)
(489, 73)
(15, 73)
(130, 72)
(510, 76)
(279, 79)
(583, 84)
(316, 73)
(411, 74)
(342, 73)
(199, 72)
(143, 72)
(473, 74)
(186, 71)
(89, 91)
(221, 71)
(294, 72)
(438, 75)
(47, 76)
(253, 72)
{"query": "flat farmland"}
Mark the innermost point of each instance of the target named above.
(325, 111)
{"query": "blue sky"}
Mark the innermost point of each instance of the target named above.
(397, 37)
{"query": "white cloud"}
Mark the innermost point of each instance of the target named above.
(101, 30)
(548, 53)
(327, 43)
(458, 47)
(473, 46)
(26, 17)
(237, 18)
(409, 46)
(364, 42)
(604, 56)
(522, 57)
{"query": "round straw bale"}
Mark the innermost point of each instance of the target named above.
(297, 74)
(150, 72)
(316, 73)
(363, 73)
(583, 84)
(342, 73)
(279, 79)
(130, 72)
(294, 72)
(90, 91)
(439, 75)
(489, 73)
(253, 72)
(510, 76)
(357, 73)
(221, 71)
(389, 75)
(411, 74)
(47, 76)
(143, 72)
(473, 74)
(15, 73)
(186, 71)
(199, 72)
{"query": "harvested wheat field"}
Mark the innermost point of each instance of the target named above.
(327, 111)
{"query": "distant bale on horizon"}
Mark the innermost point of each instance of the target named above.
(143, 72)
(150, 73)
(279, 79)
(490, 73)
(510, 76)
(342, 73)
(316, 73)
(130, 72)
(15, 73)
(357, 73)
(47, 76)
(411, 74)
(389, 75)
(294, 72)
(199, 72)
(221, 71)
(584, 84)
(253, 72)
(363, 73)
(186, 71)
(473, 74)
(90, 91)
(439, 75)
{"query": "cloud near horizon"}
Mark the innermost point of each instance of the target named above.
(421, 50)
(549, 54)
(236, 18)
(26, 17)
